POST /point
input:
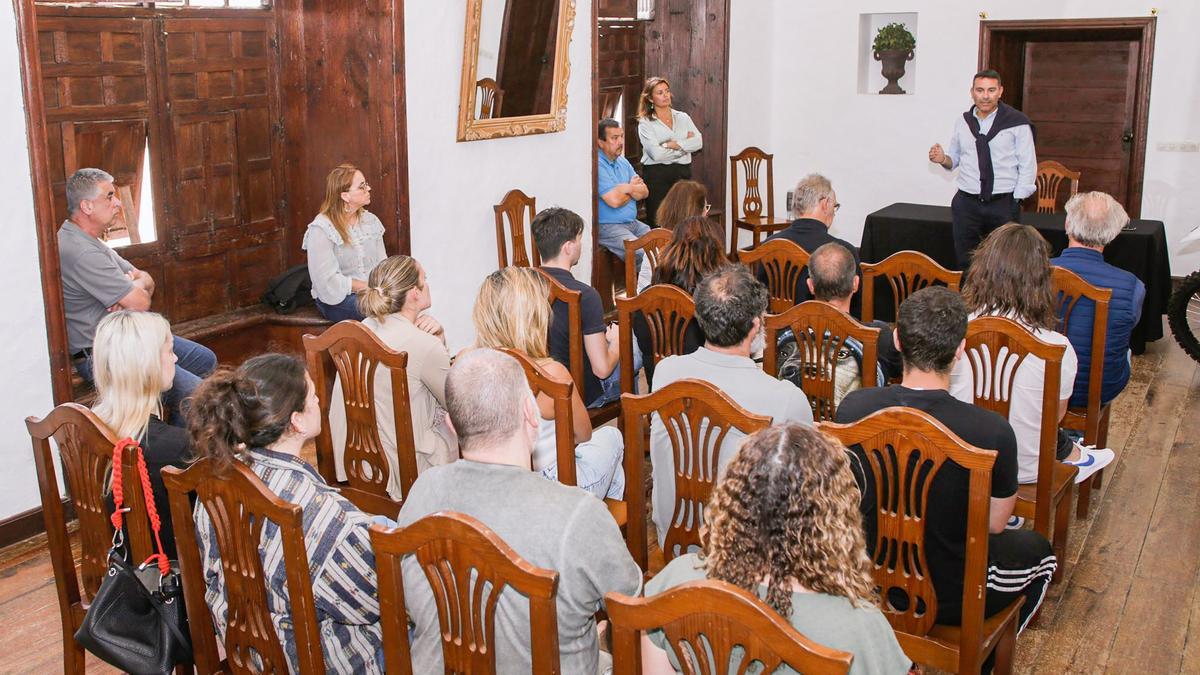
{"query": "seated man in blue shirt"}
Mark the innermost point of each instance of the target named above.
(1093, 220)
(620, 189)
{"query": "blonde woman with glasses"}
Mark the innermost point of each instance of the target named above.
(394, 302)
(513, 312)
(134, 365)
(344, 243)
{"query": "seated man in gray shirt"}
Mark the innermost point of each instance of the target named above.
(730, 304)
(550, 525)
(95, 281)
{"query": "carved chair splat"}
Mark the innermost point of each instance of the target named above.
(709, 619)
(906, 272)
(748, 211)
(467, 566)
(239, 505)
(513, 214)
(354, 354)
(1093, 418)
(784, 262)
(996, 348)
(904, 450)
(651, 245)
(667, 311)
(821, 332)
(491, 98)
(1050, 175)
(697, 417)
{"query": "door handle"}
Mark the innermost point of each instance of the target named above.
(1127, 137)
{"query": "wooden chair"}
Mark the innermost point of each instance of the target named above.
(239, 505)
(906, 272)
(906, 447)
(491, 98)
(1092, 419)
(85, 448)
(996, 348)
(467, 567)
(1050, 175)
(698, 417)
(709, 619)
(560, 293)
(748, 214)
(821, 331)
(354, 353)
(518, 209)
(651, 245)
(667, 311)
(783, 262)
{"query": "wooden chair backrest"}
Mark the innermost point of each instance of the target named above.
(491, 98)
(651, 244)
(564, 416)
(85, 448)
(707, 620)
(560, 293)
(906, 273)
(751, 205)
(904, 450)
(783, 261)
(1069, 289)
(698, 417)
(354, 353)
(821, 331)
(239, 505)
(1050, 175)
(513, 214)
(996, 348)
(468, 566)
(668, 311)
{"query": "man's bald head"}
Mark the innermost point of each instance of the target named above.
(486, 392)
(1094, 218)
(832, 270)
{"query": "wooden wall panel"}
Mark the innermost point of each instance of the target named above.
(343, 94)
(688, 43)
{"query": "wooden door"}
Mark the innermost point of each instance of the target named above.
(1080, 97)
(620, 52)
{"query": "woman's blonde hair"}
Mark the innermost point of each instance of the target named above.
(127, 369)
(645, 103)
(513, 311)
(340, 180)
(788, 510)
(388, 285)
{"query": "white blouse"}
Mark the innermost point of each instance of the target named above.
(653, 133)
(333, 263)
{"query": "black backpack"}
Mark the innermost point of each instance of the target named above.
(289, 290)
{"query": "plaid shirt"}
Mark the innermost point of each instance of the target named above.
(340, 561)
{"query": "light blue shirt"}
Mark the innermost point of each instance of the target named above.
(613, 173)
(1014, 162)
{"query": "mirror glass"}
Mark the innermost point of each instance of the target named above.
(514, 75)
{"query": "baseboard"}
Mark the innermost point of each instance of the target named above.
(28, 523)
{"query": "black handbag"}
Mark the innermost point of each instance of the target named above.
(137, 620)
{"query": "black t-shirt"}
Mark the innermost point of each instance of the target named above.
(946, 517)
(592, 315)
(163, 446)
(886, 352)
(810, 234)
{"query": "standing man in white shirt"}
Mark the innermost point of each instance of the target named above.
(992, 148)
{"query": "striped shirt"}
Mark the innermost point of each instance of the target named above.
(340, 561)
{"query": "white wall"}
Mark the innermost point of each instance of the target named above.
(24, 360)
(874, 147)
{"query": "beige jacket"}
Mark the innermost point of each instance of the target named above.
(428, 363)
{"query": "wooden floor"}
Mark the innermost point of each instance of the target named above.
(1130, 601)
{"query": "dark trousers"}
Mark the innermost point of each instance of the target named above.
(659, 179)
(973, 220)
(346, 309)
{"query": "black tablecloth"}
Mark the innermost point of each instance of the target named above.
(921, 227)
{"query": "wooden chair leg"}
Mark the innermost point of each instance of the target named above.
(1005, 649)
(1085, 497)
(74, 656)
(1062, 523)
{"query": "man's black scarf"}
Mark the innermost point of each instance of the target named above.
(1007, 117)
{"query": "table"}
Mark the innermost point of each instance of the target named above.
(1142, 250)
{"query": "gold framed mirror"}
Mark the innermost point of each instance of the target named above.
(515, 68)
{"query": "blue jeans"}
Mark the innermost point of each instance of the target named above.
(598, 464)
(195, 363)
(346, 309)
(611, 385)
(614, 235)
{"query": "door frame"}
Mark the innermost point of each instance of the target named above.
(993, 33)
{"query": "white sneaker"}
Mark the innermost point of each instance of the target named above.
(1091, 459)
(1014, 523)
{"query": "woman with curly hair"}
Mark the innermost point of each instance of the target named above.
(784, 523)
(1010, 277)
